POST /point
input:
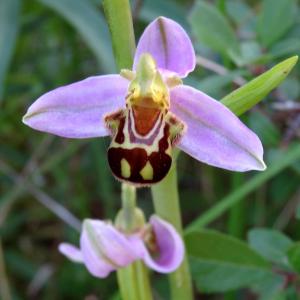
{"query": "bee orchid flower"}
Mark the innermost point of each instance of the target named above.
(148, 111)
(104, 248)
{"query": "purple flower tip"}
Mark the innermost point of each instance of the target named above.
(170, 249)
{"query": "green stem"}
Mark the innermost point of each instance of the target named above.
(128, 206)
(166, 204)
(119, 18)
(133, 280)
(118, 15)
(236, 220)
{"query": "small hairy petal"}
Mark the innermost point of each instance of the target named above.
(214, 134)
(77, 110)
(169, 45)
(170, 247)
(71, 252)
(105, 249)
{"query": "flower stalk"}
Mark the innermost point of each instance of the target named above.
(128, 206)
(165, 194)
(133, 280)
(166, 204)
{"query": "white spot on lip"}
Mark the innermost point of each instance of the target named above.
(125, 168)
(147, 172)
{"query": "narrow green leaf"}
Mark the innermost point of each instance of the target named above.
(9, 26)
(89, 22)
(242, 99)
(275, 19)
(220, 262)
(270, 243)
(211, 245)
(121, 30)
(288, 158)
(294, 256)
(211, 28)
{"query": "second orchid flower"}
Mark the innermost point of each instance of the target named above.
(105, 248)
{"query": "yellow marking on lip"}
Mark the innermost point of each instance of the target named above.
(147, 172)
(125, 168)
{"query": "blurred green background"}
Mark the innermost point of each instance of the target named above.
(48, 184)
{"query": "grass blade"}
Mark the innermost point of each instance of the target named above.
(89, 22)
(9, 26)
(289, 158)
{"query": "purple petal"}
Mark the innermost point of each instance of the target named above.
(93, 260)
(71, 252)
(214, 134)
(170, 247)
(105, 249)
(77, 110)
(169, 45)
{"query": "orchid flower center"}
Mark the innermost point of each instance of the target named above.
(144, 133)
(148, 89)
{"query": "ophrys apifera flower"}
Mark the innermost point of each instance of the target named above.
(148, 111)
(105, 248)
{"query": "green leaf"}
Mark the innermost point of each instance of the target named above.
(271, 244)
(220, 262)
(270, 287)
(212, 29)
(275, 19)
(239, 12)
(119, 19)
(89, 22)
(293, 254)
(250, 52)
(257, 89)
(9, 26)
